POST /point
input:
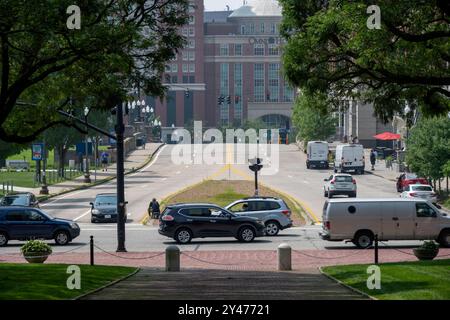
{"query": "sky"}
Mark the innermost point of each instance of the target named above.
(217, 5)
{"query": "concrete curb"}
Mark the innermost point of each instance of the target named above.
(345, 285)
(379, 175)
(107, 285)
(100, 182)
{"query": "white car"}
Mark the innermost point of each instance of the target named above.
(340, 184)
(421, 191)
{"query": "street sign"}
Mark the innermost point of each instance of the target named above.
(37, 151)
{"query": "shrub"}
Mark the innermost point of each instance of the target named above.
(34, 246)
(429, 245)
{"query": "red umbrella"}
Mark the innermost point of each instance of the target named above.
(388, 136)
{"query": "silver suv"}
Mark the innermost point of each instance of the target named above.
(340, 184)
(274, 212)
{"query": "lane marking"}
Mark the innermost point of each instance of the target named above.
(83, 215)
(155, 158)
(63, 197)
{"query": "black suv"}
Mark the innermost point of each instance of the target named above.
(104, 208)
(26, 199)
(183, 222)
(23, 223)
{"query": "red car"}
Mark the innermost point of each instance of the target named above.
(409, 178)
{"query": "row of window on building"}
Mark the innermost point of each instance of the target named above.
(262, 28)
(259, 49)
(185, 68)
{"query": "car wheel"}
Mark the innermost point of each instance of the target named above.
(62, 238)
(93, 221)
(353, 195)
(444, 239)
(335, 170)
(272, 228)
(246, 234)
(363, 239)
(183, 236)
(3, 239)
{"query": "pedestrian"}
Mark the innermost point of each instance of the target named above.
(373, 159)
(104, 156)
(154, 209)
(355, 140)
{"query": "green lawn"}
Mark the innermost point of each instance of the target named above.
(26, 179)
(421, 280)
(48, 282)
(26, 155)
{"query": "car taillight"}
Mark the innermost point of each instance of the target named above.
(286, 213)
(354, 181)
(328, 225)
(412, 194)
(332, 181)
(167, 217)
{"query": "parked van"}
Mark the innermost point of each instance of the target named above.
(317, 154)
(359, 220)
(349, 157)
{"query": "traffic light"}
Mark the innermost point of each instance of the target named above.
(187, 93)
(221, 100)
(256, 165)
(228, 100)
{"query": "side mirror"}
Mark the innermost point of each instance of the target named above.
(325, 180)
(92, 204)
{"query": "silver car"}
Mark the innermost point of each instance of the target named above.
(340, 184)
(421, 191)
(274, 212)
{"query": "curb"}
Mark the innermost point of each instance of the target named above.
(107, 285)
(84, 187)
(378, 175)
(346, 285)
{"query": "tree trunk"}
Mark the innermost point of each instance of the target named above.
(61, 162)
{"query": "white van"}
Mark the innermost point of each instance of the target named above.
(359, 220)
(317, 154)
(349, 157)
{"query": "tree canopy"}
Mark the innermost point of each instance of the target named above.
(330, 49)
(44, 65)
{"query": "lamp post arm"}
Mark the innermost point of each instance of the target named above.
(68, 115)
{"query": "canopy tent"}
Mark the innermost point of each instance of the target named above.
(388, 136)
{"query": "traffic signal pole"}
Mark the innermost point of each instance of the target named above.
(121, 219)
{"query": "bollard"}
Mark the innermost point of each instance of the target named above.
(376, 249)
(91, 245)
(284, 257)
(172, 259)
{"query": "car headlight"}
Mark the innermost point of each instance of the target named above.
(95, 211)
(73, 225)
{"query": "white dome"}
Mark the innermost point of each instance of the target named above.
(258, 8)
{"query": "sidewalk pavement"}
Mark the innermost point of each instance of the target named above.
(133, 160)
(380, 168)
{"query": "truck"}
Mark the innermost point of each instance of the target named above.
(359, 220)
(349, 157)
(317, 155)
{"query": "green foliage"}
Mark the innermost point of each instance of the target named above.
(121, 44)
(36, 246)
(311, 123)
(429, 245)
(428, 147)
(331, 50)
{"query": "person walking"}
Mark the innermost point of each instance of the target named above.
(154, 209)
(373, 159)
(104, 157)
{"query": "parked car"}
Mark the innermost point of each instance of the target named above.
(26, 199)
(274, 212)
(184, 222)
(349, 157)
(406, 179)
(104, 208)
(359, 220)
(317, 155)
(24, 223)
(338, 185)
(419, 191)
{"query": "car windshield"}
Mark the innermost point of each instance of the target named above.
(106, 201)
(343, 179)
(421, 188)
(14, 201)
(411, 176)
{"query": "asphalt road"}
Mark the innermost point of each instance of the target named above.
(163, 177)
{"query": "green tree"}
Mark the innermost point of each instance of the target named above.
(43, 64)
(428, 147)
(312, 124)
(331, 50)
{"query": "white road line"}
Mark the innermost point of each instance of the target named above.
(83, 215)
(151, 163)
(63, 197)
(305, 182)
(290, 177)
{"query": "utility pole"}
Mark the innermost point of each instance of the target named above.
(120, 131)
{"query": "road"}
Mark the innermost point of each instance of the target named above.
(163, 177)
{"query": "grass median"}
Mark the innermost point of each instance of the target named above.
(223, 192)
(421, 280)
(48, 282)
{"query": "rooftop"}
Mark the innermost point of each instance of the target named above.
(216, 16)
(258, 8)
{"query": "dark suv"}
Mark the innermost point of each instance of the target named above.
(23, 223)
(183, 222)
(26, 199)
(104, 208)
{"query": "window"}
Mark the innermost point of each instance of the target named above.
(174, 79)
(191, 79)
(424, 211)
(272, 205)
(259, 49)
(259, 82)
(168, 68)
(257, 206)
(343, 179)
(16, 216)
(274, 50)
(261, 28)
(240, 207)
(185, 32)
(192, 32)
(34, 216)
(243, 29)
(238, 111)
(191, 44)
(185, 79)
(191, 56)
(224, 49)
(238, 49)
(185, 68)
(272, 28)
(191, 20)
(192, 67)
(191, 7)
(288, 93)
(224, 91)
(196, 212)
(185, 56)
(420, 188)
(252, 28)
(174, 67)
(274, 82)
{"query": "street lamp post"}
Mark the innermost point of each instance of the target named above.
(87, 178)
(120, 130)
